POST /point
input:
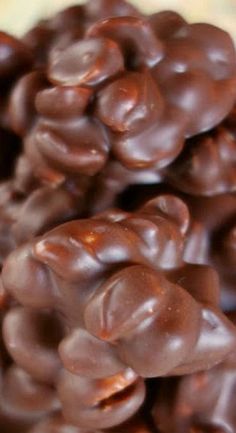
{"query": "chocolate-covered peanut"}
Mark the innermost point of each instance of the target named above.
(116, 259)
(16, 58)
(23, 213)
(68, 141)
(97, 313)
(211, 239)
(21, 107)
(103, 403)
(150, 88)
(203, 402)
(193, 78)
(207, 166)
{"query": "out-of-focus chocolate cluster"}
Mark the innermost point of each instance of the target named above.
(117, 224)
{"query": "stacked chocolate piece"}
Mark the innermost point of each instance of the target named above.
(118, 224)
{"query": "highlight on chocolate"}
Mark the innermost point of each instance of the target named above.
(117, 224)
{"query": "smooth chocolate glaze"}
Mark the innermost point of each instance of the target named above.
(203, 402)
(211, 240)
(124, 293)
(97, 312)
(148, 85)
(207, 166)
(24, 213)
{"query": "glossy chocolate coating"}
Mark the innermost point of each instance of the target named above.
(23, 401)
(69, 141)
(211, 239)
(131, 33)
(192, 78)
(203, 402)
(207, 166)
(87, 62)
(102, 9)
(111, 259)
(148, 85)
(15, 57)
(91, 403)
(23, 214)
(104, 98)
(22, 101)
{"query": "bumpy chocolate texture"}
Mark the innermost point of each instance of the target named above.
(137, 82)
(203, 402)
(28, 208)
(211, 240)
(207, 166)
(23, 401)
(125, 296)
(15, 60)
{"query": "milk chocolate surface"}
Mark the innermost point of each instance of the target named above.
(117, 224)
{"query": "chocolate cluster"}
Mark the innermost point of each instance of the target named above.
(117, 224)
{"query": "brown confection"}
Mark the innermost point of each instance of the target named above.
(39, 40)
(166, 24)
(56, 424)
(201, 84)
(21, 108)
(203, 402)
(133, 35)
(102, 9)
(211, 240)
(113, 180)
(29, 343)
(23, 210)
(23, 401)
(148, 85)
(102, 106)
(88, 62)
(15, 57)
(69, 140)
(138, 102)
(207, 166)
(100, 403)
(111, 259)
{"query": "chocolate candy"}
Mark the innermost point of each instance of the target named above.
(23, 214)
(193, 78)
(90, 403)
(211, 240)
(54, 424)
(15, 57)
(70, 141)
(207, 165)
(21, 103)
(132, 34)
(102, 106)
(101, 258)
(23, 400)
(138, 102)
(87, 62)
(102, 9)
(200, 403)
(148, 85)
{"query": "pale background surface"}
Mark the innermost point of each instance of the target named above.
(17, 16)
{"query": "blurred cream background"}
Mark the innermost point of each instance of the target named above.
(16, 16)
